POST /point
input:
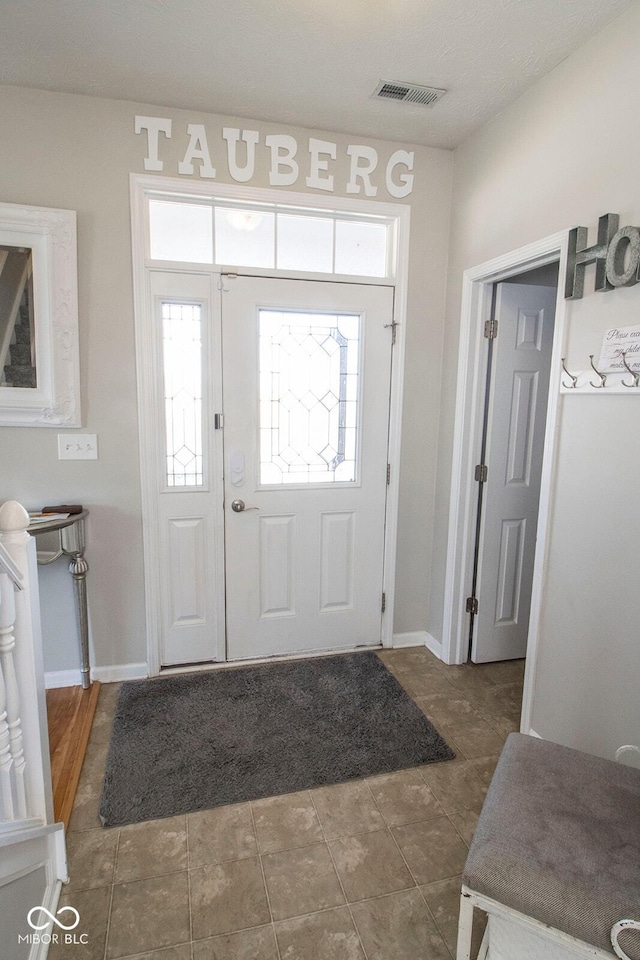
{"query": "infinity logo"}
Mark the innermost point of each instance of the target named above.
(618, 928)
(52, 918)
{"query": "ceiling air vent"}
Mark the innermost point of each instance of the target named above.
(407, 92)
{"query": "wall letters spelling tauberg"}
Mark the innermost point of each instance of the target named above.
(284, 169)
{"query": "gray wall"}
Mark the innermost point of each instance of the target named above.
(562, 155)
(77, 152)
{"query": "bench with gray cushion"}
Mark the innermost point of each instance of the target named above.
(558, 846)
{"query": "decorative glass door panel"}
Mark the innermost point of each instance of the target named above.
(182, 369)
(309, 375)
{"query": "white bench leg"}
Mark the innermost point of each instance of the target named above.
(465, 928)
(483, 952)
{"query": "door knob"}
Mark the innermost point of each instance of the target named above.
(238, 506)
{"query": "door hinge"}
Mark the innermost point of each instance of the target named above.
(481, 473)
(384, 602)
(491, 329)
(218, 421)
(224, 276)
(388, 474)
(472, 605)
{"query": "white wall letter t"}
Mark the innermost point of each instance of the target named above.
(154, 127)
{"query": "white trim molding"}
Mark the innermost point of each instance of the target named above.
(417, 638)
(476, 305)
(120, 671)
(143, 186)
(62, 678)
(51, 236)
(114, 673)
(435, 646)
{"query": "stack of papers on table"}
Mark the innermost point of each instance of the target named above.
(44, 517)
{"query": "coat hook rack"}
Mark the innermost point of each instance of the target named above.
(634, 373)
(574, 380)
(603, 376)
(617, 369)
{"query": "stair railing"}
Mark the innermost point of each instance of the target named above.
(25, 772)
(8, 323)
(12, 763)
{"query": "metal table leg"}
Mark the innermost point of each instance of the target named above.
(72, 543)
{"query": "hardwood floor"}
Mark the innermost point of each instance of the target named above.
(70, 713)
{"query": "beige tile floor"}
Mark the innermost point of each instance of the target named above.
(368, 870)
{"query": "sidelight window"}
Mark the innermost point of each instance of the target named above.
(182, 356)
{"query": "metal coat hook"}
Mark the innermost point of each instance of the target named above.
(634, 373)
(603, 376)
(574, 380)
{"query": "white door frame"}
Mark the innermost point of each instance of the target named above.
(476, 307)
(142, 185)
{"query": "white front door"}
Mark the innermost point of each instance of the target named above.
(306, 375)
(515, 441)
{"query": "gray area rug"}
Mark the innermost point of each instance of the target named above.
(191, 742)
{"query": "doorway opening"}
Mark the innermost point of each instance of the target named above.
(272, 509)
(267, 454)
(519, 337)
(484, 287)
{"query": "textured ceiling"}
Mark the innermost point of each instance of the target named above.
(312, 63)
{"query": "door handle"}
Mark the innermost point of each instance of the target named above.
(238, 506)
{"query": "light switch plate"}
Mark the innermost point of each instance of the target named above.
(77, 446)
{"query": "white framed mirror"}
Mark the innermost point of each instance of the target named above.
(39, 351)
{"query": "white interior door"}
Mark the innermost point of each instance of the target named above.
(306, 372)
(515, 441)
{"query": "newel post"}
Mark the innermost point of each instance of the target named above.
(12, 763)
(23, 715)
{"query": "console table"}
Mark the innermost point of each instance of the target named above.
(71, 542)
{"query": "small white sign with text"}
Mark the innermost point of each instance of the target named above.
(620, 344)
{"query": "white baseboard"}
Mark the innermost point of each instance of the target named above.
(120, 671)
(532, 733)
(140, 671)
(416, 639)
(435, 646)
(419, 638)
(111, 674)
(62, 678)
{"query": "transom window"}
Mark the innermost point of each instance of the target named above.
(270, 237)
